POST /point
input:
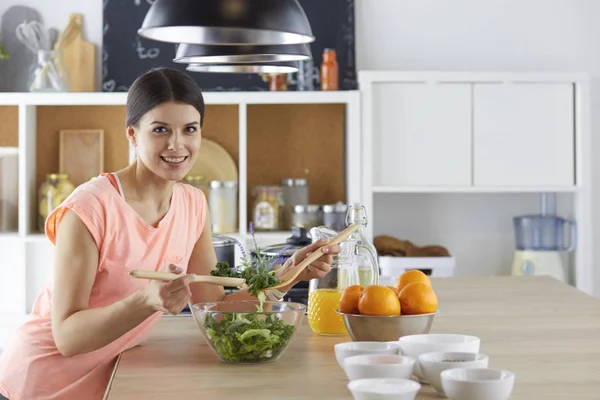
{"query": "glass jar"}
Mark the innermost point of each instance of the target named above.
(199, 182)
(357, 214)
(53, 191)
(222, 203)
(325, 294)
(48, 73)
(295, 192)
(334, 216)
(266, 215)
(307, 216)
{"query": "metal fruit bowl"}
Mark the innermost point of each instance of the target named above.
(374, 328)
(238, 333)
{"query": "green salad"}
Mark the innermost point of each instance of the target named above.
(248, 338)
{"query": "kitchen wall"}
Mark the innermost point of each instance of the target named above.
(498, 35)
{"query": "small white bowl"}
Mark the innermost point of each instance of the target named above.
(478, 383)
(432, 364)
(415, 345)
(348, 349)
(379, 366)
(384, 389)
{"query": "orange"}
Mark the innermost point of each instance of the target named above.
(394, 289)
(410, 276)
(378, 300)
(354, 288)
(418, 298)
(349, 302)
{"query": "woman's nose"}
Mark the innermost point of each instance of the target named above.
(174, 140)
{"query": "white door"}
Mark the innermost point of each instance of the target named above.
(421, 134)
(523, 134)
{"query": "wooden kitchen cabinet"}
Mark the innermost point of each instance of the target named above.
(523, 134)
(421, 134)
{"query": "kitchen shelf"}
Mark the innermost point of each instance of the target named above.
(475, 189)
(32, 122)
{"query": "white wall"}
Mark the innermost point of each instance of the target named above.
(502, 35)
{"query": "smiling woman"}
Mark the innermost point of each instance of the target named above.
(137, 218)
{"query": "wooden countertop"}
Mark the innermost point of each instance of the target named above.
(545, 331)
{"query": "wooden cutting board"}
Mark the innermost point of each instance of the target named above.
(80, 59)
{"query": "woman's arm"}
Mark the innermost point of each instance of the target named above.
(77, 329)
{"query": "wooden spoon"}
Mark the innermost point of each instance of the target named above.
(169, 276)
(291, 274)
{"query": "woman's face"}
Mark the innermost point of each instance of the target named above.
(167, 139)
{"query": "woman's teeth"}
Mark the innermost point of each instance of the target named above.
(173, 160)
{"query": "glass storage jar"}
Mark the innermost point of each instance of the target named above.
(266, 215)
(222, 204)
(53, 191)
(295, 192)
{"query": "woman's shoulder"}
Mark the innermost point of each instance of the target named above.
(191, 193)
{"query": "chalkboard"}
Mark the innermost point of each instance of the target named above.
(125, 55)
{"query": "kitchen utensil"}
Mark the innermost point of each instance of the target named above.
(169, 276)
(68, 34)
(349, 349)
(283, 251)
(229, 328)
(214, 163)
(80, 58)
(477, 383)
(379, 366)
(224, 248)
(540, 239)
(432, 365)
(288, 277)
(384, 389)
(14, 73)
(386, 328)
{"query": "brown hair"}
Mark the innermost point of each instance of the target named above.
(160, 85)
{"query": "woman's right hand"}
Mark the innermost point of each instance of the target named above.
(170, 297)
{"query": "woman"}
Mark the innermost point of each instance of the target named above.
(136, 218)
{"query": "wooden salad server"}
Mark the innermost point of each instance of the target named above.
(169, 276)
(291, 274)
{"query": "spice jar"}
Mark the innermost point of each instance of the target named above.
(329, 70)
(53, 191)
(267, 208)
(222, 204)
(307, 216)
(295, 192)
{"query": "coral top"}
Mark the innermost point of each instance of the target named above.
(31, 367)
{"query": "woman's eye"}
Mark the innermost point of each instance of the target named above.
(159, 129)
(190, 129)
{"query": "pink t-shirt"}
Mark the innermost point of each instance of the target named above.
(31, 367)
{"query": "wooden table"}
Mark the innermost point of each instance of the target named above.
(547, 332)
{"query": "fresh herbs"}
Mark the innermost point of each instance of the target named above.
(248, 338)
(258, 273)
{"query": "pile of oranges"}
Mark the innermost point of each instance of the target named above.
(412, 295)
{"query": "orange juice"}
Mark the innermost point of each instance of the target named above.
(322, 317)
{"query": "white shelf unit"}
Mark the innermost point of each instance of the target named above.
(27, 254)
(451, 157)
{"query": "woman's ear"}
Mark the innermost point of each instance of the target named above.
(130, 133)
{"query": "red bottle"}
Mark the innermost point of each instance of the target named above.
(329, 70)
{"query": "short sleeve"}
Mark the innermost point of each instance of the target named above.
(87, 206)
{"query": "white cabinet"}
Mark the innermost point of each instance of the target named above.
(523, 134)
(421, 134)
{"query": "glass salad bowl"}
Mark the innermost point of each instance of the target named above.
(240, 332)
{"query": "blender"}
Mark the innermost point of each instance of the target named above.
(539, 241)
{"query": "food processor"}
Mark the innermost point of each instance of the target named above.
(540, 240)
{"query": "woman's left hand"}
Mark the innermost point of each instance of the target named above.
(318, 268)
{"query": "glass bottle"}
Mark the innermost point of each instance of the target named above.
(267, 209)
(53, 191)
(368, 260)
(325, 294)
(329, 70)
